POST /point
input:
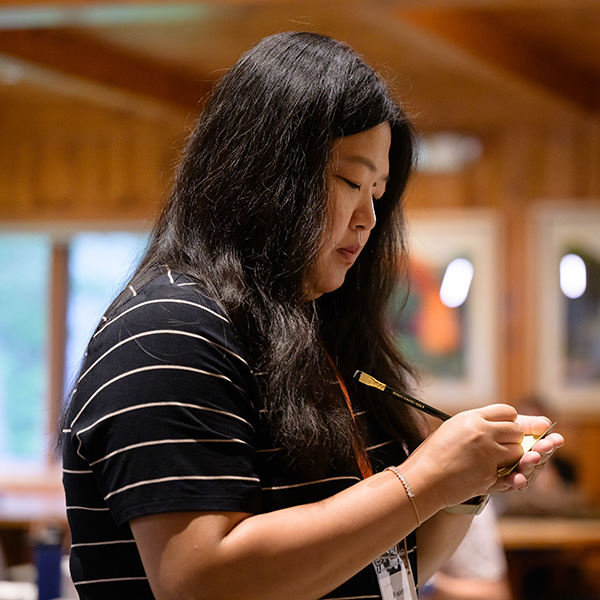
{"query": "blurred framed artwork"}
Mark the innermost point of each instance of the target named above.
(448, 326)
(567, 259)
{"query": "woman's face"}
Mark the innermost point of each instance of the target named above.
(359, 172)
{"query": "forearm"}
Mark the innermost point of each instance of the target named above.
(437, 540)
(299, 552)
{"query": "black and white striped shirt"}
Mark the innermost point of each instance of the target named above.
(166, 417)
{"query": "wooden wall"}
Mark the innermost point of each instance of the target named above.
(82, 163)
(522, 167)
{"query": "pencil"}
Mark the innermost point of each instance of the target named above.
(372, 382)
(527, 442)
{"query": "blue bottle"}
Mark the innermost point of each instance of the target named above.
(48, 554)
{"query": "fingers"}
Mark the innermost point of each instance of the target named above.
(498, 424)
(520, 481)
(550, 443)
(499, 412)
(541, 452)
(531, 425)
(516, 480)
(531, 464)
(507, 432)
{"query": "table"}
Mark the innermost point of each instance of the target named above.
(533, 533)
(552, 558)
(27, 509)
(25, 514)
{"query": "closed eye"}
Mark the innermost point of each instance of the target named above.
(354, 186)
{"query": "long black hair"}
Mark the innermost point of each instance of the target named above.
(247, 215)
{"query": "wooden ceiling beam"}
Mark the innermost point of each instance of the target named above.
(488, 41)
(86, 58)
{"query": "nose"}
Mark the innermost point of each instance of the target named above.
(364, 216)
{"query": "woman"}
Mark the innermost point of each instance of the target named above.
(215, 444)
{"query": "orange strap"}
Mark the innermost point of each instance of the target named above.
(359, 450)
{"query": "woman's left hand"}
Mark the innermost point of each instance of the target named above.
(533, 461)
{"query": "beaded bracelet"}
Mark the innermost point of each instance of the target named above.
(407, 488)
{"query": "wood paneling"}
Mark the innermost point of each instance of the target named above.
(519, 167)
(494, 40)
(73, 162)
(57, 335)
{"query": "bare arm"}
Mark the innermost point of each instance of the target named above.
(437, 540)
(305, 551)
(300, 552)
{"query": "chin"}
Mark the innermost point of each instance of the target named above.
(334, 286)
(325, 287)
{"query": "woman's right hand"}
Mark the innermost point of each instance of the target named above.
(464, 454)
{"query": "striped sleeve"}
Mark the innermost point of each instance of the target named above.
(162, 415)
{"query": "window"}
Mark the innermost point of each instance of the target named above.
(24, 264)
(99, 264)
(37, 337)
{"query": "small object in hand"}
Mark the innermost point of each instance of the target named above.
(528, 442)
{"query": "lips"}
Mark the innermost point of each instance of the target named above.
(350, 252)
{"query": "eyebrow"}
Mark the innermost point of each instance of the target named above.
(363, 160)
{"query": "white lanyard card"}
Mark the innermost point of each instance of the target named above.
(394, 574)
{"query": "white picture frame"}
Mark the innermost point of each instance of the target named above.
(559, 227)
(436, 238)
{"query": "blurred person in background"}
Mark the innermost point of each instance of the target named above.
(478, 569)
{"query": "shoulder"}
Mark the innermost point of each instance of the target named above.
(168, 306)
(168, 339)
(168, 297)
(165, 329)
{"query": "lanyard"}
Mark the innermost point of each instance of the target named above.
(406, 584)
(359, 450)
